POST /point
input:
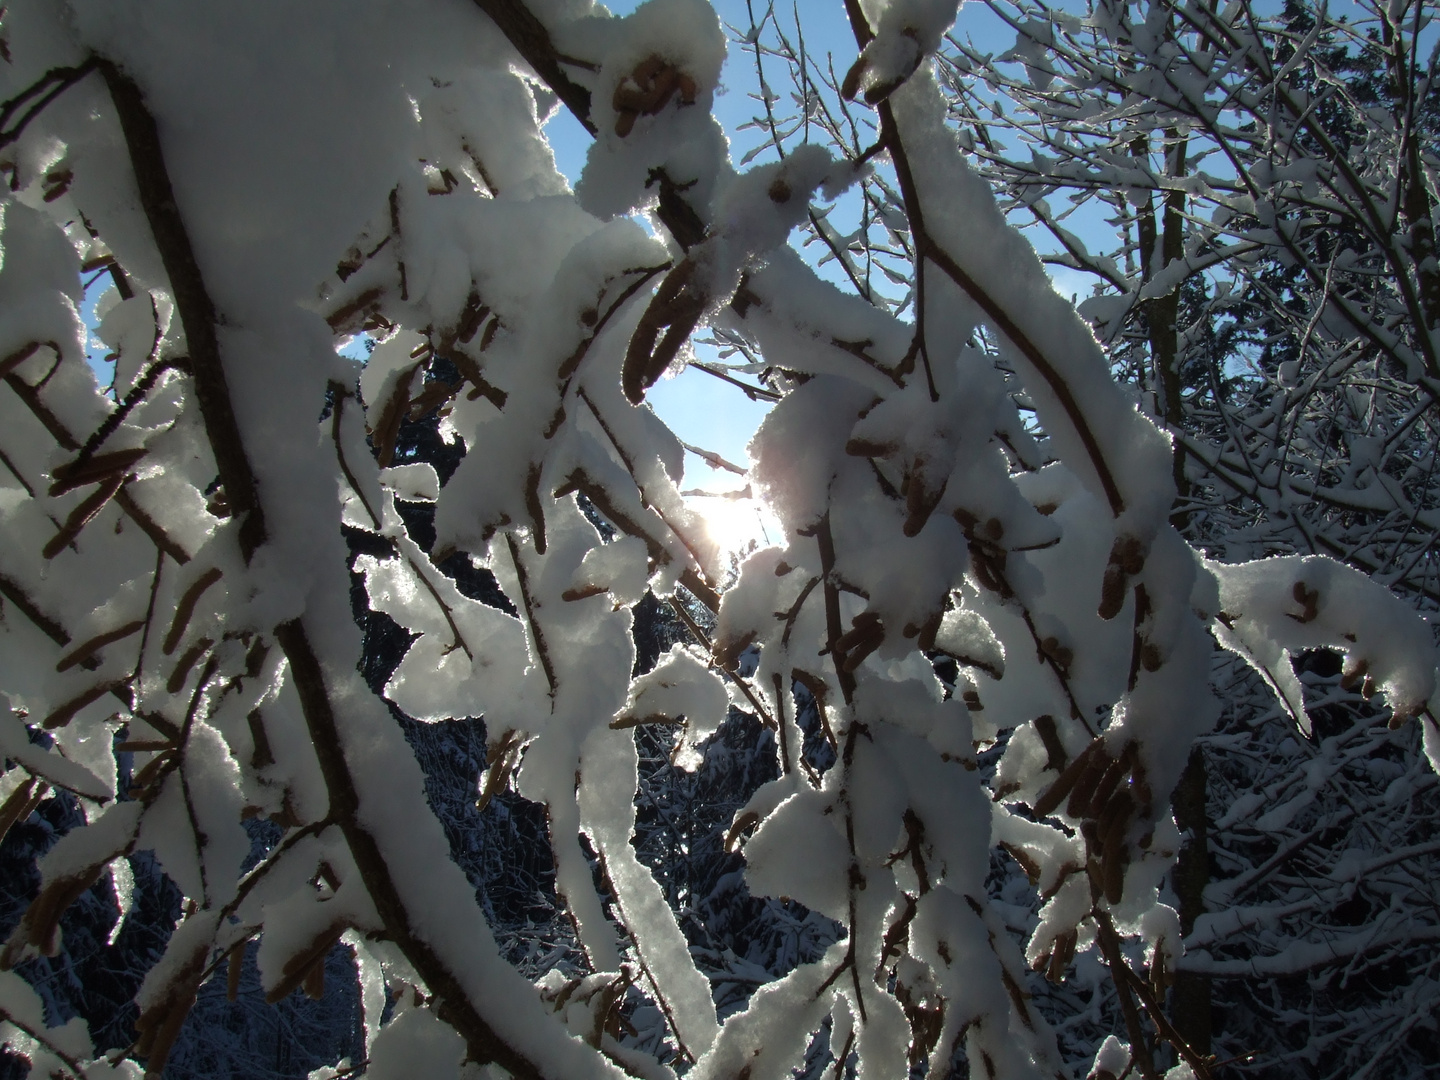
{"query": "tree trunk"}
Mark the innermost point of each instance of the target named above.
(1190, 996)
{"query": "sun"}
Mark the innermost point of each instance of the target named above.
(734, 524)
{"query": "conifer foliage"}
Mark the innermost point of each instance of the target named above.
(189, 554)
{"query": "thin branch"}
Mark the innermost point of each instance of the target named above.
(38, 95)
(537, 635)
(192, 301)
(754, 393)
(1115, 960)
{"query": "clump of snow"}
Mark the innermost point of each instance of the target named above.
(674, 133)
(1273, 607)
(412, 483)
(908, 31)
(680, 689)
(619, 568)
(1111, 1060)
(799, 851)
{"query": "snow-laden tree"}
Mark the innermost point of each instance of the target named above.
(1252, 194)
(959, 477)
(1252, 197)
(1198, 165)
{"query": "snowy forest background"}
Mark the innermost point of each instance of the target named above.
(1242, 200)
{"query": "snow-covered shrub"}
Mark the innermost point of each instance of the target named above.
(261, 183)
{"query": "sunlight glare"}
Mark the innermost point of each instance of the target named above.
(736, 525)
